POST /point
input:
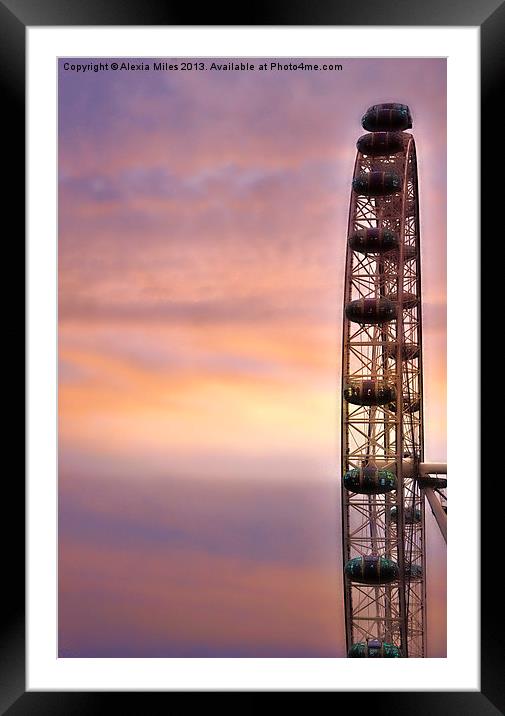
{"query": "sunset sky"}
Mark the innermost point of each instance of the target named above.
(202, 236)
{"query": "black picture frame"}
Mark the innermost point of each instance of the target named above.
(15, 17)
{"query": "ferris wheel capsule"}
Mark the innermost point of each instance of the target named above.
(370, 480)
(413, 572)
(373, 648)
(377, 183)
(380, 143)
(371, 310)
(410, 515)
(409, 351)
(373, 240)
(410, 405)
(389, 116)
(372, 569)
(369, 392)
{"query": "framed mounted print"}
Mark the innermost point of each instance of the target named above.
(246, 251)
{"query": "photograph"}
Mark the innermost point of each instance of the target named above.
(252, 357)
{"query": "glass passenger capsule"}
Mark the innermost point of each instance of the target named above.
(413, 572)
(377, 183)
(371, 569)
(387, 117)
(411, 516)
(409, 405)
(369, 392)
(409, 351)
(370, 480)
(371, 310)
(373, 240)
(373, 648)
(381, 143)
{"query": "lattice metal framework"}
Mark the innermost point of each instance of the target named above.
(379, 357)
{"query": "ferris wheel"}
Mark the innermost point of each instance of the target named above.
(384, 477)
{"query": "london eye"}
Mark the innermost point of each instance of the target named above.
(386, 482)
